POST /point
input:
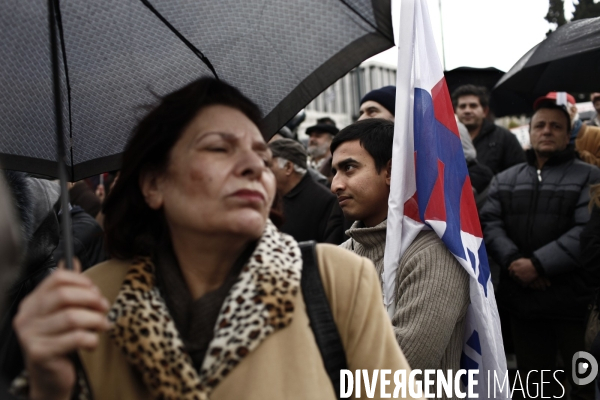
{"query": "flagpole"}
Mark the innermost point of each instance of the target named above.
(442, 31)
(402, 137)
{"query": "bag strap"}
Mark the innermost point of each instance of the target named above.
(320, 316)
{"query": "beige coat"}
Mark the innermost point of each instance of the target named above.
(286, 364)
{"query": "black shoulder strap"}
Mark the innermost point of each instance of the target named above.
(320, 316)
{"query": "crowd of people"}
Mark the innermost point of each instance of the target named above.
(196, 255)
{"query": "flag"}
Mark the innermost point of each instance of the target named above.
(431, 189)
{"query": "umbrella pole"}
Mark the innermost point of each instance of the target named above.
(66, 231)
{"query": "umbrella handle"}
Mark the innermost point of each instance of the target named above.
(66, 231)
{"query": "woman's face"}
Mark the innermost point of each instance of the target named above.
(218, 179)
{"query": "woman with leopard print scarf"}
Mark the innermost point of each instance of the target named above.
(202, 296)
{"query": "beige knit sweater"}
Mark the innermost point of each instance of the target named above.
(432, 296)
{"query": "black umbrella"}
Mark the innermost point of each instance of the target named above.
(114, 56)
(107, 59)
(568, 60)
(486, 77)
(501, 102)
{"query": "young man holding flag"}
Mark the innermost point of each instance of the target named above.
(430, 190)
(432, 290)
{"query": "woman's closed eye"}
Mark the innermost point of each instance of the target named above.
(217, 146)
(218, 149)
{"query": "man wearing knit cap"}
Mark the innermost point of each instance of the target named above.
(310, 211)
(379, 103)
(432, 289)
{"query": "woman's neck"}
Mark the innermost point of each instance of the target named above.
(205, 261)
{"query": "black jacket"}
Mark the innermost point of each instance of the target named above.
(481, 175)
(590, 248)
(541, 218)
(497, 147)
(312, 212)
(88, 239)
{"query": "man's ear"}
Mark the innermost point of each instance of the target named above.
(388, 173)
(289, 168)
(486, 110)
(150, 185)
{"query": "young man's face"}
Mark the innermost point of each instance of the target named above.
(470, 112)
(362, 191)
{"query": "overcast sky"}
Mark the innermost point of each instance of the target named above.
(483, 33)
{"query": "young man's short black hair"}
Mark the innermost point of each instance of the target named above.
(471, 90)
(375, 135)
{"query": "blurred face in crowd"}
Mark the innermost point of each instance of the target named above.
(372, 109)
(282, 170)
(596, 103)
(470, 112)
(218, 179)
(361, 191)
(549, 132)
(318, 144)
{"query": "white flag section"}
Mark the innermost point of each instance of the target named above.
(431, 189)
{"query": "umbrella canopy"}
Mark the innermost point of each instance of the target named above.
(486, 77)
(501, 102)
(117, 56)
(568, 60)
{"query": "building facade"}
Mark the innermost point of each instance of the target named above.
(341, 100)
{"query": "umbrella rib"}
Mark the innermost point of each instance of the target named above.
(345, 2)
(189, 44)
(67, 81)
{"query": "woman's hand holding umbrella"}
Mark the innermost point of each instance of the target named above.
(62, 315)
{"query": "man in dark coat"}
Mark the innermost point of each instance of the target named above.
(310, 211)
(496, 147)
(88, 239)
(37, 204)
(532, 220)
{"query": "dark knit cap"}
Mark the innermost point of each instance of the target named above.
(290, 150)
(386, 96)
(327, 128)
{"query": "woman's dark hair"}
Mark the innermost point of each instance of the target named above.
(132, 228)
(375, 135)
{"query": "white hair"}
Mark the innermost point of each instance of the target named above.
(298, 169)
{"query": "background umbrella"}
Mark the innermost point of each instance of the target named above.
(486, 77)
(502, 102)
(113, 55)
(568, 60)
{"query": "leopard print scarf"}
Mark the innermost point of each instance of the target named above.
(259, 304)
